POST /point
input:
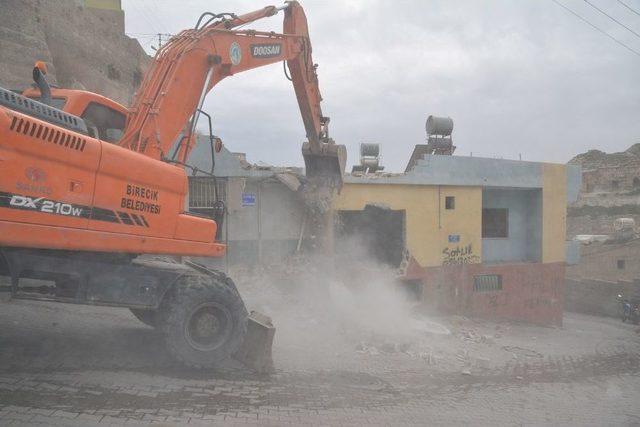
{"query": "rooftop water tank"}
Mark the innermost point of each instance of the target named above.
(442, 126)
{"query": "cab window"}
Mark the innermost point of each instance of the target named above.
(107, 122)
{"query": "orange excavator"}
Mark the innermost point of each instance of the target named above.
(87, 185)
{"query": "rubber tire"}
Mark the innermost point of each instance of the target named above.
(190, 292)
(148, 317)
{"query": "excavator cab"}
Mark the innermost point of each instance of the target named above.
(105, 119)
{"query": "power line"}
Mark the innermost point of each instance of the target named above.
(145, 16)
(596, 28)
(155, 23)
(156, 14)
(611, 17)
(142, 34)
(629, 7)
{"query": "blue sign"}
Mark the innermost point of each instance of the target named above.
(248, 199)
(454, 238)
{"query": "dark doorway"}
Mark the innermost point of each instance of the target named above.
(379, 231)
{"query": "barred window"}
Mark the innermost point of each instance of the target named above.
(487, 283)
(203, 192)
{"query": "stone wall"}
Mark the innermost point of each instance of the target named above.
(613, 178)
(608, 261)
(84, 47)
(596, 224)
(597, 296)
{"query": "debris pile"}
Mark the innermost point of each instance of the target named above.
(318, 194)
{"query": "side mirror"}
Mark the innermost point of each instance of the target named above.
(217, 145)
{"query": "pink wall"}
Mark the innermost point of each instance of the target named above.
(531, 292)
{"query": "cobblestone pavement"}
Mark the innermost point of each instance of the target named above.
(67, 365)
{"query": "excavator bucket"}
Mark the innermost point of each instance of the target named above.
(326, 163)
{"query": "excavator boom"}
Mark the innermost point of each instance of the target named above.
(166, 106)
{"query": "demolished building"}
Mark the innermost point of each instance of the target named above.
(264, 219)
(475, 236)
(483, 237)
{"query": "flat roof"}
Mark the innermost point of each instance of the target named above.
(470, 171)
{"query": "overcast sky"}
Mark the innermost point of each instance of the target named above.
(517, 77)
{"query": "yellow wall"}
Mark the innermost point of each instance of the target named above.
(104, 4)
(466, 221)
(554, 212)
(428, 223)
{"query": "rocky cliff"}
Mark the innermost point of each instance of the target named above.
(610, 190)
(84, 47)
(594, 159)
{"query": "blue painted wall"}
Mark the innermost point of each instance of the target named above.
(524, 242)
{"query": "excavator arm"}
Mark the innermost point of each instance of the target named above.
(167, 105)
(323, 159)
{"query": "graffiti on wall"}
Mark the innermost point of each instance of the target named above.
(459, 255)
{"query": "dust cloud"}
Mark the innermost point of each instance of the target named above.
(324, 307)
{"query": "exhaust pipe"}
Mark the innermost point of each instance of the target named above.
(39, 71)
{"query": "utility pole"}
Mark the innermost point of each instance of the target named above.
(160, 36)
